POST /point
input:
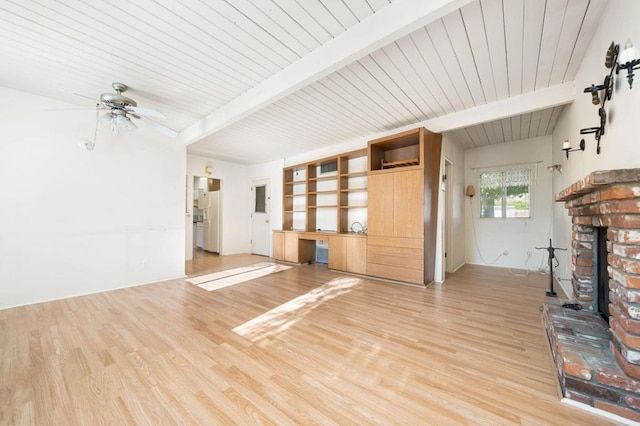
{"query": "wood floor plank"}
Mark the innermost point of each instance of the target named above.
(303, 346)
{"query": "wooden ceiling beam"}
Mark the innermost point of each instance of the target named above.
(394, 21)
(560, 94)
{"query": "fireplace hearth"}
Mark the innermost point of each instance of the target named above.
(597, 349)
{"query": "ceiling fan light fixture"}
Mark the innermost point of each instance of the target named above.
(121, 110)
(105, 120)
(130, 124)
(121, 121)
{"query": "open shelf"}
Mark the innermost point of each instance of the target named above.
(400, 163)
(319, 193)
(321, 178)
(331, 191)
(401, 150)
(355, 174)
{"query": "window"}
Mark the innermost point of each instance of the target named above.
(506, 193)
(261, 199)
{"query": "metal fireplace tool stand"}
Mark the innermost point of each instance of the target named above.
(551, 250)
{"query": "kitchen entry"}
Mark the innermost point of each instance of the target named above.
(206, 214)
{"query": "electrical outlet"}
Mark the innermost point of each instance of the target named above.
(505, 253)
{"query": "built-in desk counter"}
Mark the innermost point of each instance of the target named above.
(347, 252)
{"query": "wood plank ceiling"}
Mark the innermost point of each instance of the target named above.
(188, 59)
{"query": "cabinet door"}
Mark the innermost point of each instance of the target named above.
(356, 255)
(291, 247)
(278, 245)
(408, 210)
(338, 253)
(380, 204)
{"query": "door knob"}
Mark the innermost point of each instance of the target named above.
(266, 221)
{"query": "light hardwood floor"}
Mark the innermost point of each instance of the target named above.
(306, 345)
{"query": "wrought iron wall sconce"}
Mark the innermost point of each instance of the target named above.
(611, 62)
(566, 147)
(629, 60)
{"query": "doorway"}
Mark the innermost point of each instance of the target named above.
(447, 223)
(260, 217)
(205, 231)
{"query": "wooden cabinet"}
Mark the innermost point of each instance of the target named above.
(356, 254)
(380, 216)
(278, 245)
(291, 247)
(338, 253)
(408, 204)
(348, 253)
(396, 201)
(403, 188)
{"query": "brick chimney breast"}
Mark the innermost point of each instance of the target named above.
(609, 198)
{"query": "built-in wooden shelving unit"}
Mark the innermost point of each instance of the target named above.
(329, 201)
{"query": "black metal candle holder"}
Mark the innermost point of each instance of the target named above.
(580, 147)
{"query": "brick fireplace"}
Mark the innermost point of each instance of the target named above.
(598, 363)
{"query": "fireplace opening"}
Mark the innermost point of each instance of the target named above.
(602, 274)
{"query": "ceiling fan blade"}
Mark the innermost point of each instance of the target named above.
(167, 131)
(67, 108)
(146, 111)
(72, 108)
(86, 97)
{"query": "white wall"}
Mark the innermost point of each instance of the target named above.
(619, 146)
(74, 221)
(517, 236)
(235, 198)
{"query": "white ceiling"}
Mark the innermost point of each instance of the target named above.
(258, 80)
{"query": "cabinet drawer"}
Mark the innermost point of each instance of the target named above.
(396, 256)
(417, 243)
(396, 273)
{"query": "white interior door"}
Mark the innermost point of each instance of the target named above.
(260, 217)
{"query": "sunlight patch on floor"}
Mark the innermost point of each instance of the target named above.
(284, 316)
(228, 272)
(241, 278)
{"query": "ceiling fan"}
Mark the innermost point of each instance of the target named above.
(120, 109)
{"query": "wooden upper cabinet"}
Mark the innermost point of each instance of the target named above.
(408, 204)
(396, 204)
(380, 205)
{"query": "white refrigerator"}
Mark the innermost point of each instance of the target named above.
(211, 221)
